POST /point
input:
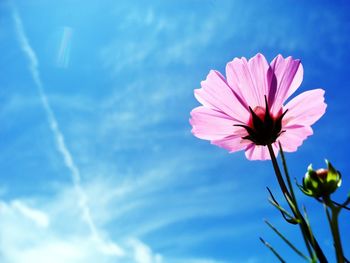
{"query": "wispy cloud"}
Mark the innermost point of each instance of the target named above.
(26, 236)
(60, 141)
(37, 233)
(157, 38)
(37, 216)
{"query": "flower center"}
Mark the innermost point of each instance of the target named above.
(322, 174)
(263, 128)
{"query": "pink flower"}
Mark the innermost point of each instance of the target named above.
(248, 109)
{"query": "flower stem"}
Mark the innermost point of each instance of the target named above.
(306, 232)
(285, 168)
(333, 223)
(278, 173)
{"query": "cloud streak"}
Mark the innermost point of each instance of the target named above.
(28, 236)
(107, 247)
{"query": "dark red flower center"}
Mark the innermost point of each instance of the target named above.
(263, 127)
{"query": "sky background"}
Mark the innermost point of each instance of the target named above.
(97, 161)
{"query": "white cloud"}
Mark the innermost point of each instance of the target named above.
(27, 236)
(142, 253)
(37, 216)
(50, 229)
(188, 260)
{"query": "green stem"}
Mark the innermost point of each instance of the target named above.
(307, 234)
(336, 236)
(278, 174)
(285, 168)
(333, 223)
(288, 197)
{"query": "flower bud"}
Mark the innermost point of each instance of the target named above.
(321, 182)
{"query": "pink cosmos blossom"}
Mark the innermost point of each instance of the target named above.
(247, 110)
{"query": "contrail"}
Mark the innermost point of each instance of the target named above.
(109, 248)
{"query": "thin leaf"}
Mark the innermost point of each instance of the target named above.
(287, 241)
(288, 217)
(312, 240)
(337, 204)
(347, 201)
(272, 250)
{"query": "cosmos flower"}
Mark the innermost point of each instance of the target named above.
(247, 110)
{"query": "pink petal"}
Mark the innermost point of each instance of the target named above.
(232, 143)
(209, 124)
(259, 152)
(216, 94)
(292, 138)
(289, 75)
(305, 109)
(249, 79)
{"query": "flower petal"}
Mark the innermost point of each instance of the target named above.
(289, 75)
(259, 152)
(216, 94)
(293, 137)
(232, 143)
(209, 124)
(249, 79)
(305, 109)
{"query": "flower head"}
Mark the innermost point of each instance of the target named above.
(247, 110)
(321, 182)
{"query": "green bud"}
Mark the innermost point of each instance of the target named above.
(322, 182)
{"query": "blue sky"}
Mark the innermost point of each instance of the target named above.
(97, 161)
